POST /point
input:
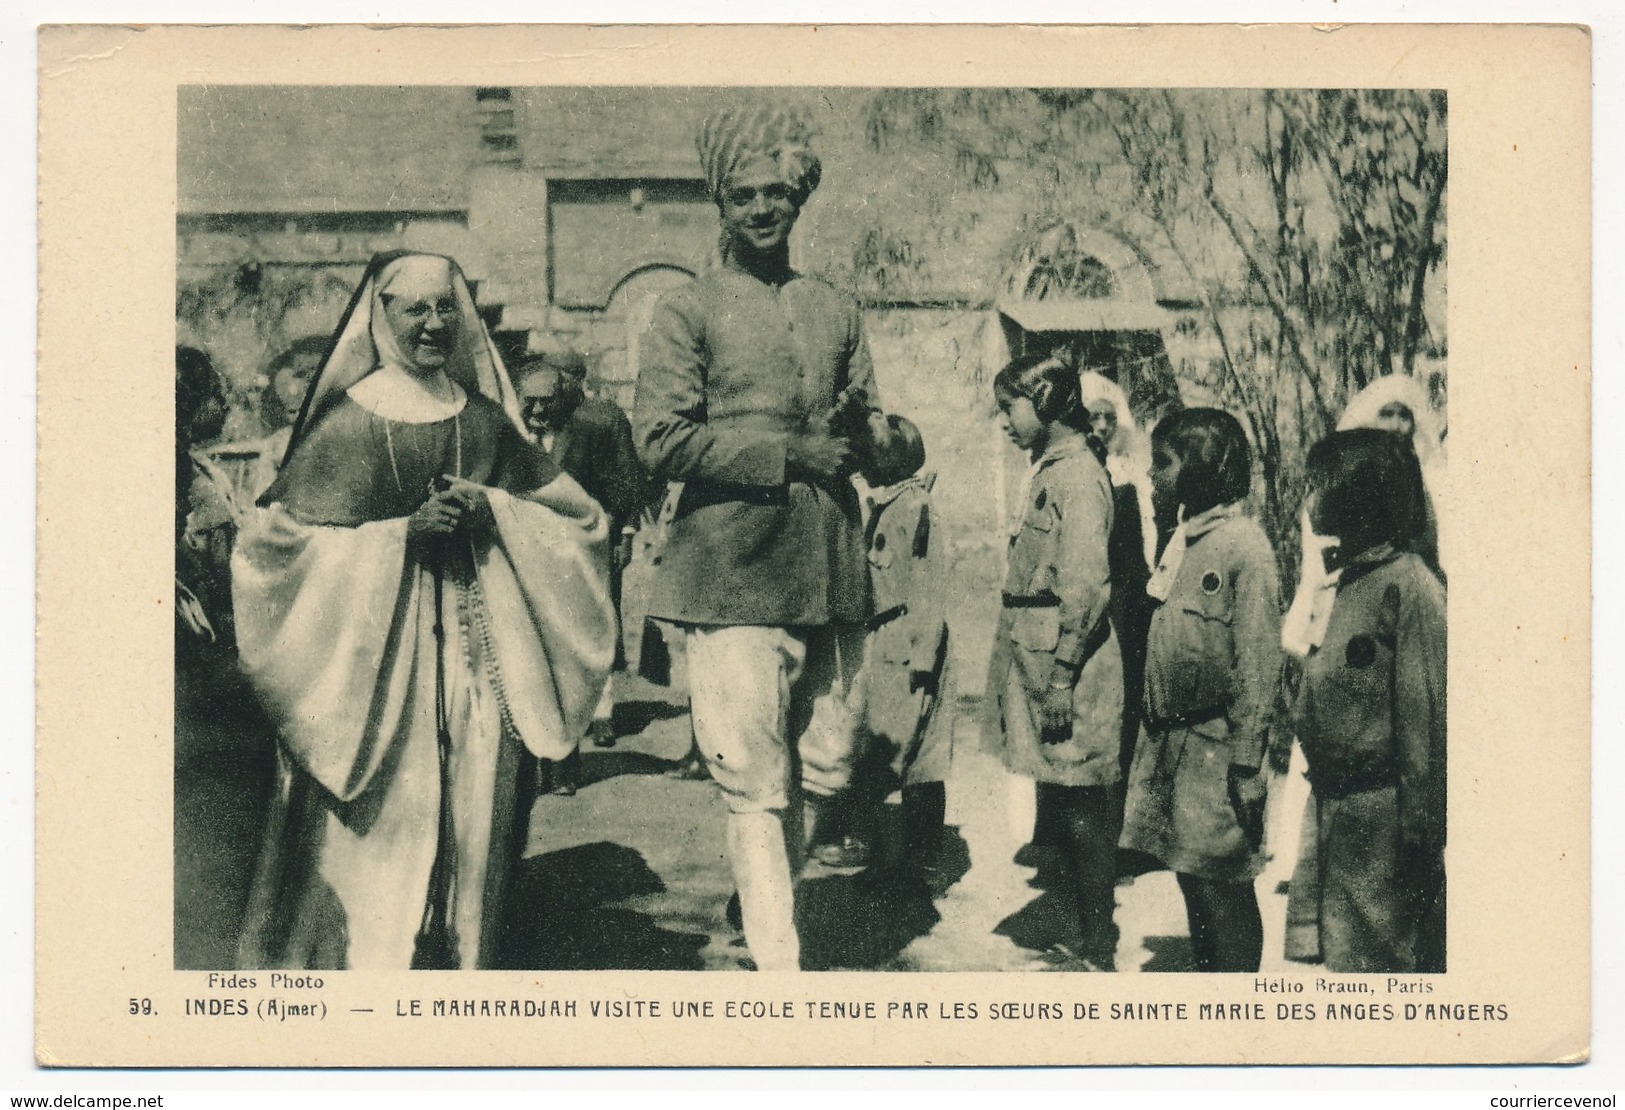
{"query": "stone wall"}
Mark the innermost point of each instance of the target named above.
(931, 366)
(249, 286)
(607, 229)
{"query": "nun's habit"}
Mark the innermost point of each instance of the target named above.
(337, 622)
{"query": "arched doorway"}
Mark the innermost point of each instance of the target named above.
(1082, 290)
(625, 318)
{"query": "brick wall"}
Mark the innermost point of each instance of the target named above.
(611, 131)
(888, 224)
(339, 148)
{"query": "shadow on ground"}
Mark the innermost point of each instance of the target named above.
(632, 717)
(1051, 918)
(632, 720)
(1168, 954)
(864, 921)
(600, 766)
(563, 915)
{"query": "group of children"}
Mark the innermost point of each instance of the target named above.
(1138, 682)
(1139, 659)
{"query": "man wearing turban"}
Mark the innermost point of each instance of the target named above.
(755, 390)
(775, 138)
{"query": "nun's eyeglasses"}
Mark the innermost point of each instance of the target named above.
(419, 310)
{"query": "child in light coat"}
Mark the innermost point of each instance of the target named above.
(1213, 665)
(1055, 683)
(904, 681)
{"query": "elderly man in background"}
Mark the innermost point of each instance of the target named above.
(755, 392)
(591, 440)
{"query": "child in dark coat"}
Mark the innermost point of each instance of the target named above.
(1371, 715)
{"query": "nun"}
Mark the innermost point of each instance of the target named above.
(421, 598)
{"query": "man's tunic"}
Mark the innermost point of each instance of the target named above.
(731, 368)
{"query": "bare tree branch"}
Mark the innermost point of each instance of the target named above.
(1283, 313)
(1413, 312)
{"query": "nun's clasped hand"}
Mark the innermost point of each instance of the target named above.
(461, 506)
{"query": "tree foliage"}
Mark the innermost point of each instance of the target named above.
(1311, 224)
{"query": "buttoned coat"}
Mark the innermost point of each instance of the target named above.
(730, 368)
(905, 663)
(1213, 663)
(1060, 551)
(1371, 718)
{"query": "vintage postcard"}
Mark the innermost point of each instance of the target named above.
(813, 545)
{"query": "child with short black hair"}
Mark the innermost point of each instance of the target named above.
(900, 690)
(1213, 661)
(1371, 713)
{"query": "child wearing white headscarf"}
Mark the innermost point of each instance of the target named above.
(1133, 543)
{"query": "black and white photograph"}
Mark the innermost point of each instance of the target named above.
(819, 528)
(765, 556)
